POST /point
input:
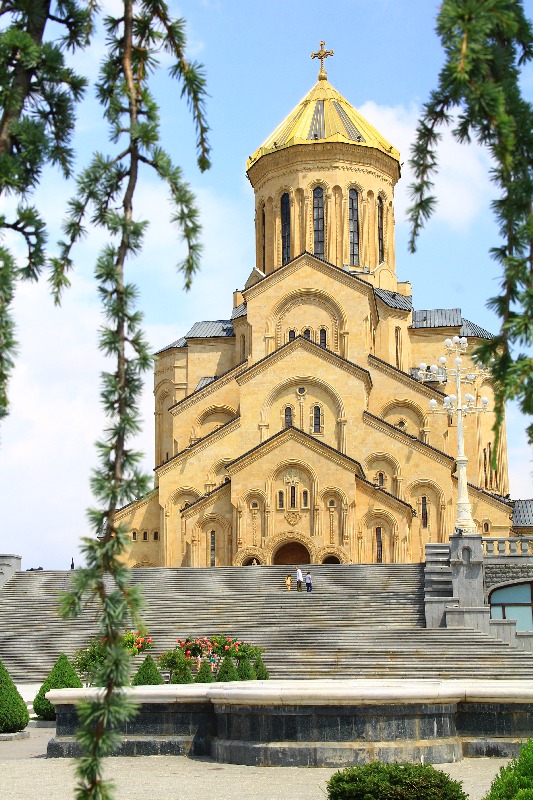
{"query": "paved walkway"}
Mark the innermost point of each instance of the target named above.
(26, 772)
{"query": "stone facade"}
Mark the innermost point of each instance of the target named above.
(295, 432)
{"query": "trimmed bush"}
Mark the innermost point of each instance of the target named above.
(227, 671)
(261, 672)
(13, 712)
(61, 676)
(515, 781)
(182, 670)
(204, 673)
(378, 781)
(245, 671)
(147, 674)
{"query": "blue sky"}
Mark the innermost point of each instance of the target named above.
(258, 66)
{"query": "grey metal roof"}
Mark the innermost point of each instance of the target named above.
(239, 311)
(395, 300)
(204, 381)
(178, 343)
(523, 513)
(471, 329)
(210, 329)
(437, 318)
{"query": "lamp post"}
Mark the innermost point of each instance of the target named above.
(456, 404)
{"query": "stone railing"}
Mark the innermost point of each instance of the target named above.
(509, 546)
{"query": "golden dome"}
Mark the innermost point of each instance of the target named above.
(323, 116)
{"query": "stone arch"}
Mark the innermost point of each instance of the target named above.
(286, 537)
(211, 418)
(414, 418)
(294, 381)
(384, 462)
(304, 296)
(435, 509)
(328, 552)
(248, 554)
(388, 523)
(213, 521)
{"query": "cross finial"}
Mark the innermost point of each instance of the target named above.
(322, 54)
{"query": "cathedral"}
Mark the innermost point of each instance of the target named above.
(299, 430)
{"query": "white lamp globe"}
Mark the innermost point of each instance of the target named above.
(423, 366)
(455, 340)
(448, 342)
(442, 360)
(433, 404)
(433, 369)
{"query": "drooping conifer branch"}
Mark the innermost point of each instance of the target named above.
(485, 44)
(105, 195)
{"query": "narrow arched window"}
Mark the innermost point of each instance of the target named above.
(424, 511)
(293, 496)
(316, 419)
(318, 221)
(307, 333)
(379, 546)
(145, 536)
(305, 498)
(156, 536)
(212, 548)
(398, 345)
(280, 500)
(285, 228)
(353, 212)
(292, 335)
(134, 536)
(288, 417)
(381, 240)
(485, 527)
(323, 337)
(381, 479)
(263, 238)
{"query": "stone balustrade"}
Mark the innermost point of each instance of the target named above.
(508, 546)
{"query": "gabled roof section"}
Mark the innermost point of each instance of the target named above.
(239, 311)
(254, 276)
(395, 299)
(211, 329)
(306, 438)
(448, 318)
(300, 341)
(323, 115)
(182, 342)
(523, 513)
(224, 485)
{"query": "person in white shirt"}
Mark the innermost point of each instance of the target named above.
(299, 579)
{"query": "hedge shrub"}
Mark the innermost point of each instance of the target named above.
(13, 712)
(204, 674)
(261, 672)
(245, 671)
(147, 674)
(182, 670)
(61, 676)
(227, 671)
(515, 781)
(379, 781)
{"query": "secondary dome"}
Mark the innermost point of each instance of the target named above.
(324, 115)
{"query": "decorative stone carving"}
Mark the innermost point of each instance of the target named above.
(293, 517)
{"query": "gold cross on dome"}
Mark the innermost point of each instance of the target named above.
(322, 54)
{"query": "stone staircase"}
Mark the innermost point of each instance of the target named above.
(359, 621)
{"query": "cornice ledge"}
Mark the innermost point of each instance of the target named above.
(197, 505)
(312, 347)
(198, 446)
(488, 496)
(403, 377)
(376, 491)
(422, 447)
(141, 501)
(210, 388)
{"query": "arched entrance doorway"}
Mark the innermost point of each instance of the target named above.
(331, 560)
(292, 553)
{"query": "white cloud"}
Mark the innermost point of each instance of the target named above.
(462, 185)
